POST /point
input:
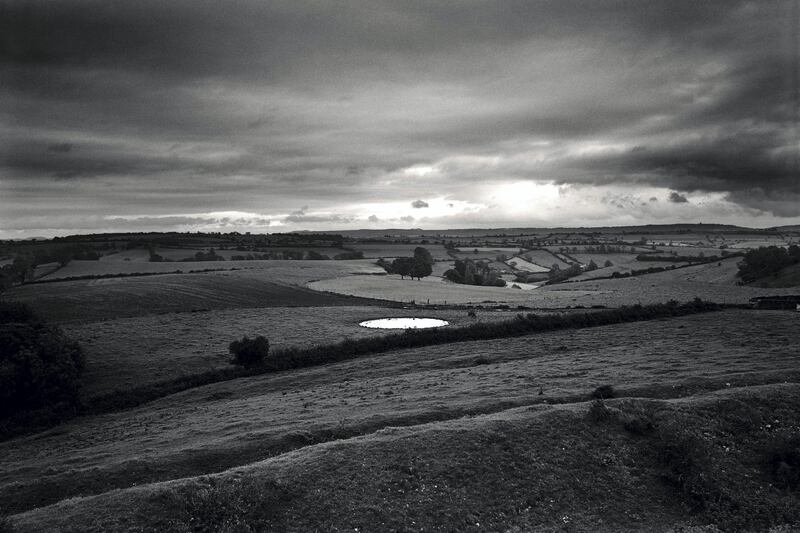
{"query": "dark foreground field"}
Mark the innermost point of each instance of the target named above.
(496, 435)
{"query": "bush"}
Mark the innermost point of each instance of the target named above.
(249, 352)
(39, 367)
(603, 392)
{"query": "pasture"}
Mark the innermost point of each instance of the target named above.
(109, 298)
(229, 428)
(519, 263)
(129, 352)
(480, 435)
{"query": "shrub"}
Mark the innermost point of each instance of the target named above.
(39, 368)
(249, 352)
(603, 392)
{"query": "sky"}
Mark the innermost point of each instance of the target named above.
(277, 116)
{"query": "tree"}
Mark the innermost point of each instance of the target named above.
(591, 266)
(423, 255)
(420, 269)
(403, 266)
(608, 263)
(39, 366)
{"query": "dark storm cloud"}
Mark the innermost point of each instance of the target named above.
(249, 103)
(677, 198)
(419, 204)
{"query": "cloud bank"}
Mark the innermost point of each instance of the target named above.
(157, 109)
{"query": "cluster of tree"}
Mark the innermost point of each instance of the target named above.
(39, 369)
(768, 261)
(418, 266)
(558, 274)
(18, 271)
(469, 272)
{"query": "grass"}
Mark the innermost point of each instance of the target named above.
(293, 272)
(234, 423)
(501, 471)
(135, 351)
(99, 299)
(787, 277)
(296, 357)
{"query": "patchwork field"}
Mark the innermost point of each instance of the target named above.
(430, 290)
(710, 282)
(490, 435)
(235, 425)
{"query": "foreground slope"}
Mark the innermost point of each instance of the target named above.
(696, 460)
(229, 424)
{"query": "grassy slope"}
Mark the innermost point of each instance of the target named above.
(294, 272)
(787, 277)
(213, 428)
(135, 351)
(87, 300)
(533, 468)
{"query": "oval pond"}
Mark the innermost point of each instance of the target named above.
(404, 323)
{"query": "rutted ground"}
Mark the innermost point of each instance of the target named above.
(220, 426)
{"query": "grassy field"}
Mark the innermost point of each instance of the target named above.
(526, 266)
(130, 352)
(788, 277)
(622, 263)
(429, 290)
(97, 299)
(296, 272)
(503, 470)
